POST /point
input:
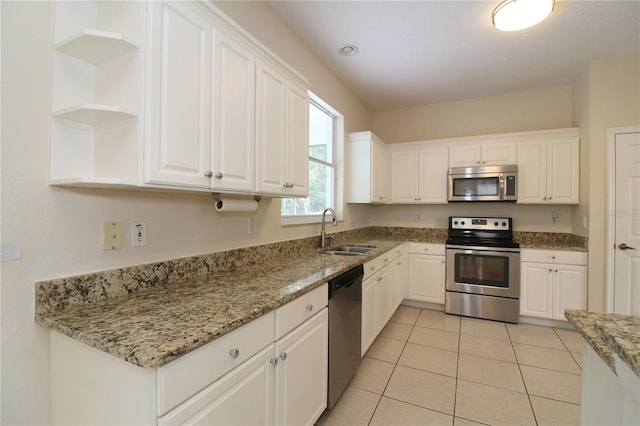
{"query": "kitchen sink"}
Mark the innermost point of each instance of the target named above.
(349, 250)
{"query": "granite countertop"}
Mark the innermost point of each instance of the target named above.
(610, 334)
(154, 326)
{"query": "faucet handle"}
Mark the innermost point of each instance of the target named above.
(329, 240)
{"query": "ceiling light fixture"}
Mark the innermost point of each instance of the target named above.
(514, 15)
(348, 50)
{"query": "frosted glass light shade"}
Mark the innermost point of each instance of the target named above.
(514, 15)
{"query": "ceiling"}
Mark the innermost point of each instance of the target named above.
(422, 52)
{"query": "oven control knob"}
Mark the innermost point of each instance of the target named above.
(504, 223)
(455, 223)
(462, 223)
(496, 224)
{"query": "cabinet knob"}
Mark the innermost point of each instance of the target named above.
(549, 198)
(386, 260)
(379, 279)
(234, 352)
(553, 257)
(477, 162)
(283, 356)
(309, 307)
(426, 249)
(556, 270)
(273, 361)
(372, 268)
(550, 270)
(208, 174)
(219, 175)
(545, 198)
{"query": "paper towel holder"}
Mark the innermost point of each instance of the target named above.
(217, 196)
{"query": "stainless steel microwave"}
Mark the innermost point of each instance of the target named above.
(486, 183)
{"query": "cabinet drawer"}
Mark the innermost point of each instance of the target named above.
(190, 373)
(375, 265)
(426, 248)
(297, 311)
(554, 256)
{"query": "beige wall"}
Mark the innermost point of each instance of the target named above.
(59, 230)
(614, 99)
(516, 112)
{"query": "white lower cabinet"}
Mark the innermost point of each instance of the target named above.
(272, 370)
(382, 293)
(552, 281)
(426, 273)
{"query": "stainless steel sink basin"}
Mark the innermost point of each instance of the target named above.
(349, 250)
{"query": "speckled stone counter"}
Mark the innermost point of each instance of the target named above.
(153, 326)
(608, 334)
(551, 241)
(152, 314)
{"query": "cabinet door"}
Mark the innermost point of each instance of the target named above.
(404, 181)
(242, 397)
(532, 172)
(426, 280)
(433, 176)
(569, 289)
(233, 115)
(399, 283)
(562, 171)
(302, 372)
(499, 154)
(536, 289)
(379, 172)
(465, 156)
(369, 297)
(271, 131)
(298, 142)
(177, 147)
(385, 297)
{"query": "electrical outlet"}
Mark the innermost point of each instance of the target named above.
(138, 234)
(112, 235)
(251, 228)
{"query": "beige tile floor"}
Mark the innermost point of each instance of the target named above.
(429, 368)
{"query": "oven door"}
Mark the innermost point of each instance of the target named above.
(486, 271)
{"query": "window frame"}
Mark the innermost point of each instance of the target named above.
(338, 168)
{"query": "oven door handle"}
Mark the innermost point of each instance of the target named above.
(484, 248)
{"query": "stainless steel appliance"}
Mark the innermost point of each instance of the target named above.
(483, 269)
(486, 183)
(345, 322)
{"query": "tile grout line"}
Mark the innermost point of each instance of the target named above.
(524, 383)
(395, 364)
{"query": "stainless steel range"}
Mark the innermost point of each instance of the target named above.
(483, 269)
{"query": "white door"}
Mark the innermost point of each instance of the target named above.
(177, 145)
(626, 291)
(569, 289)
(301, 372)
(404, 183)
(536, 289)
(433, 175)
(562, 165)
(233, 136)
(426, 278)
(298, 144)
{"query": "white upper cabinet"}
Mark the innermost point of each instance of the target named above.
(368, 169)
(282, 134)
(485, 154)
(189, 120)
(177, 144)
(419, 176)
(233, 116)
(548, 170)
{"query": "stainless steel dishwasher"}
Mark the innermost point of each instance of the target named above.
(345, 322)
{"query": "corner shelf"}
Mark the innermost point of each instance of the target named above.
(95, 46)
(94, 114)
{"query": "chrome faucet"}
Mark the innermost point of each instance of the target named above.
(323, 235)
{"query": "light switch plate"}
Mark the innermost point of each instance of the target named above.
(112, 235)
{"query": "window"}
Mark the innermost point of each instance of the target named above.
(325, 141)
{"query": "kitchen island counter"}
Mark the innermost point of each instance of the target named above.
(610, 334)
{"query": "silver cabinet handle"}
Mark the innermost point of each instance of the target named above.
(208, 174)
(623, 246)
(273, 361)
(283, 356)
(309, 307)
(234, 352)
(219, 175)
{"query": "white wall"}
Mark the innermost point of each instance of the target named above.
(59, 230)
(614, 101)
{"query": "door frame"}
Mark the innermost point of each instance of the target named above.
(611, 217)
